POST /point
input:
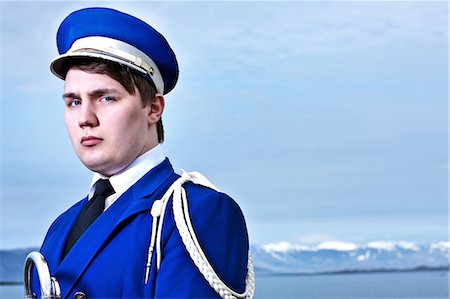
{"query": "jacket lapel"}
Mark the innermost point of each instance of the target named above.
(135, 200)
(53, 246)
(150, 187)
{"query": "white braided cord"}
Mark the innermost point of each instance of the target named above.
(189, 238)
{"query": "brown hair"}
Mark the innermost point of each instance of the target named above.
(127, 78)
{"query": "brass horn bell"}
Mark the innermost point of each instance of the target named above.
(49, 285)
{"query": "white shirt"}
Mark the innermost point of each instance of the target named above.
(124, 179)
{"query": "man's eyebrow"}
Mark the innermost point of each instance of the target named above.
(92, 94)
(102, 91)
(69, 95)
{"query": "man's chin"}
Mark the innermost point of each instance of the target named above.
(104, 168)
(99, 166)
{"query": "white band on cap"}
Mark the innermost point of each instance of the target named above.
(118, 49)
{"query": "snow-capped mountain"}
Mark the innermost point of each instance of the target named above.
(284, 257)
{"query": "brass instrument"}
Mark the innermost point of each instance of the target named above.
(49, 285)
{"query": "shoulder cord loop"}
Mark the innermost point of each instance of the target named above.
(187, 233)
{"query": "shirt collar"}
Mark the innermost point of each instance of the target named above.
(124, 179)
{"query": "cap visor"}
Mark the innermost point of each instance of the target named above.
(61, 64)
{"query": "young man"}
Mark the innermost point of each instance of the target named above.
(124, 240)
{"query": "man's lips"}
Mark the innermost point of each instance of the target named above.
(90, 140)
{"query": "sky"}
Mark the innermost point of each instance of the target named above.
(325, 121)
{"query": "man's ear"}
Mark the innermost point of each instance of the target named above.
(156, 109)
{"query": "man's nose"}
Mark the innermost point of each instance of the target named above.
(88, 117)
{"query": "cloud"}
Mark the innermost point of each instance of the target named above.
(229, 36)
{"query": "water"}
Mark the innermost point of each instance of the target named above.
(398, 285)
(11, 291)
(407, 285)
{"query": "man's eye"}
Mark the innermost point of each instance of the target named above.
(74, 103)
(107, 99)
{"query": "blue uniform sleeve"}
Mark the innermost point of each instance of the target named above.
(220, 228)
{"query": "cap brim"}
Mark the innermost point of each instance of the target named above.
(61, 64)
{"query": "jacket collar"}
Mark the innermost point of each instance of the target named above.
(137, 199)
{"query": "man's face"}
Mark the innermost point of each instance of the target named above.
(108, 127)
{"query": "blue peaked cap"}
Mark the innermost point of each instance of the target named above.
(108, 34)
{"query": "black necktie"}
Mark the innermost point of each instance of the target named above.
(90, 212)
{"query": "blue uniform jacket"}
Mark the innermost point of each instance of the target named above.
(109, 259)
